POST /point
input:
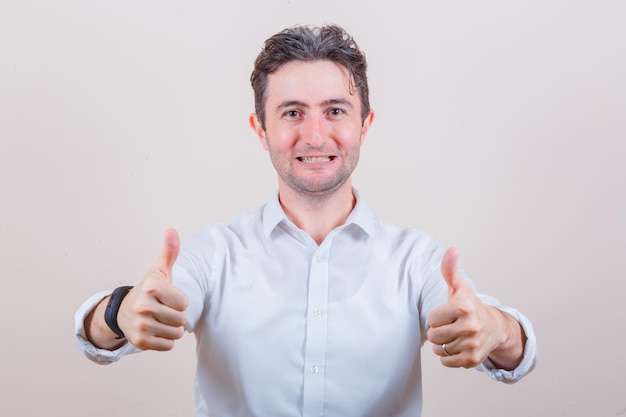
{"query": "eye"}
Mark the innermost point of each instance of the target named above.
(336, 111)
(292, 114)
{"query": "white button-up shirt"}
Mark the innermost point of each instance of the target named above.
(286, 327)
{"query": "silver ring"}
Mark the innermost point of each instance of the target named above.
(444, 350)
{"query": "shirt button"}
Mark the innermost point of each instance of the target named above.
(314, 369)
(320, 259)
(317, 313)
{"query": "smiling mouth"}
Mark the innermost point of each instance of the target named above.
(315, 159)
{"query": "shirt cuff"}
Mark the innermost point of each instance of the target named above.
(530, 353)
(95, 354)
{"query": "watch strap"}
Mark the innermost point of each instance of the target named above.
(113, 307)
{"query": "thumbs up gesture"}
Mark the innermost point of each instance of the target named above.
(465, 331)
(152, 315)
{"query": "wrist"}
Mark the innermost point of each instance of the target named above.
(509, 352)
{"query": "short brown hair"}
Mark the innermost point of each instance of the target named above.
(310, 43)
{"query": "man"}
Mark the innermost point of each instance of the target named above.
(311, 305)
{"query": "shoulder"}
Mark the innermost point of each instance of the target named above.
(218, 235)
(410, 239)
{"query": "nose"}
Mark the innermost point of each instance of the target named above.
(314, 131)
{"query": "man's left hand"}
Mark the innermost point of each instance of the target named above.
(465, 331)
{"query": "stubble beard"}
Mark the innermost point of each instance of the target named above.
(312, 188)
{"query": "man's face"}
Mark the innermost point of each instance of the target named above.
(313, 127)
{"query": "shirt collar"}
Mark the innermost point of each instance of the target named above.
(361, 215)
(273, 214)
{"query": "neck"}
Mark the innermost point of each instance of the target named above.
(318, 215)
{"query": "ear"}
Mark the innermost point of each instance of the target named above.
(366, 125)
(255, 124)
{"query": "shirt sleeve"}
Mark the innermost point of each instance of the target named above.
(97, 355)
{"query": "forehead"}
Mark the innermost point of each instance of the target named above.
(309, 82)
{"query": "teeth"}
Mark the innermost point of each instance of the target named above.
(314, 159)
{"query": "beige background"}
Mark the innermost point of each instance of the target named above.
(500, 130)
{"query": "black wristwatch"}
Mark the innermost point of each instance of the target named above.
(113, 307)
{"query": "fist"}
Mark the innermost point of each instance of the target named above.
(463, 331)
(153, 313)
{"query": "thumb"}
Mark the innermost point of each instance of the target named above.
(450, 272)
(169, 253)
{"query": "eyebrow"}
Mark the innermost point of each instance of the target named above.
(297, 103)
(341, 101)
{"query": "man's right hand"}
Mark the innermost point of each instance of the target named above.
(153, 313)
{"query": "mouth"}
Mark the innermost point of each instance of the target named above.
(315, 159)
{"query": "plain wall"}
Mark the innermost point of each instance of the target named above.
(500, 129)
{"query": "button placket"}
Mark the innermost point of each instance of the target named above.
(316, 335)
